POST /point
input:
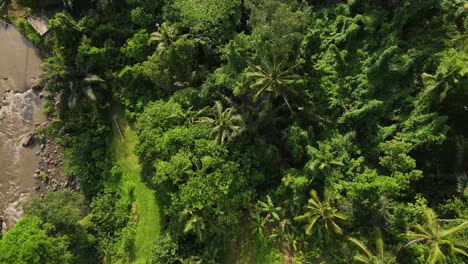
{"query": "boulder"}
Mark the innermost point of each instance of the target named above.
(27, 140)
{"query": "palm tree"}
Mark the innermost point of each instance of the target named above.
(432, 234)
(367, 256)
(225, 123)
(70, 82)
(323, 213)
(164, 37)
(272, 80)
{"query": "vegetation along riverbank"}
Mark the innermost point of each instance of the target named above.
(251, 131)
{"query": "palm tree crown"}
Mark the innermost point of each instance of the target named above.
(225, 123)
(321, 212)
(432, 234)
(272, 80)
(164, 37)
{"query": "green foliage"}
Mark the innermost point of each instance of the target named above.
(136, 48)
(64, 35)
(225, 124)
(61, 213)
(108, 219)
(139, 16)
(272, 81)
(376, 93)
(279, 24)
(296, 141)
(48, 108)
(29, 242)
(367, 256)
(191, 170)
(265, 252)
(164, 37)
(28, 31)
(62, 209)
(323, 214)
(215, 19)
(164, 250)
(432, 234)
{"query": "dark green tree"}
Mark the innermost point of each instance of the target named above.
(28, 242)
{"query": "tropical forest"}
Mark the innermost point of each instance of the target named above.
(234, 131)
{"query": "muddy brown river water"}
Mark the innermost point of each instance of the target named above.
(20, 111)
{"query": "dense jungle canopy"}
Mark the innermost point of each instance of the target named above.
(252, 131)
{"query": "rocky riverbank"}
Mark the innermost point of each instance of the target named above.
(49, 174)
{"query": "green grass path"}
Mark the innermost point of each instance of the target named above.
(145, 204)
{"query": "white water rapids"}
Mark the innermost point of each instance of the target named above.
(20, 111)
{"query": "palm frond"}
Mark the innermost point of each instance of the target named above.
(361, 246)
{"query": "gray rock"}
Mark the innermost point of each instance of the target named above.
(27, 141)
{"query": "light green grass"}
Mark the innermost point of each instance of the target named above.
(145, 205)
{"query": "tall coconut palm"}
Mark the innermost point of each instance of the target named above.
(165, 36)
(272, 81)
(225, 123)
(321, 214)
(367, 256)
(432, 234)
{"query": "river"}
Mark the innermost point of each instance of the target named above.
(20, 112)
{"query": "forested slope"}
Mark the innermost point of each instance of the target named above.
(270, 130)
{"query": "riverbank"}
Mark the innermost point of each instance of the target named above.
(145, 207)
(31, 164)
(49, 175)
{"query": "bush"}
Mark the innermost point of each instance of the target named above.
(165, 250)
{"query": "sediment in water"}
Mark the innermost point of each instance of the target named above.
(20, 111)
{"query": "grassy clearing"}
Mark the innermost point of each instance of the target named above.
(145, 205)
